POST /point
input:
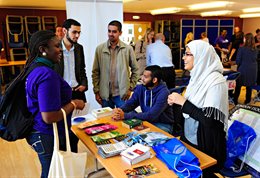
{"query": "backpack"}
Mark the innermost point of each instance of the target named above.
(16, 120)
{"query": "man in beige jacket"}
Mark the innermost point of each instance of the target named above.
(115, 71)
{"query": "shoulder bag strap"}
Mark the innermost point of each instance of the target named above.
(56, 135)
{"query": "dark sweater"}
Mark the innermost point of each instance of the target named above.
(211, 134)
(153, 104)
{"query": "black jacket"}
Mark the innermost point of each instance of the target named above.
(80, 71)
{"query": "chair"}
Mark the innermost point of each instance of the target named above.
(49, 23)
(184, 79)
(18, 54)
(178, 125)
(15, 31)
(32, 25)
(256, 98)
(178, 89)
(231, 82)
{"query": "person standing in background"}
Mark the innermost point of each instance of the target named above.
(47, 93)
(189, 38)
(115, 70)
(204, 37)
(140, 49)
(160, 54)
(257, 45)
(257, 38)
(221, 45)
(59, 32)
(72, 65)
(236, 42)
(247, 66)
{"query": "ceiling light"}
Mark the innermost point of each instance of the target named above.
(256, 9)
(249, 15)
(210, 5)
(216, 13)
(136, 17)
(126, 1)
(170, 10)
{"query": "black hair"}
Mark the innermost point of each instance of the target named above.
(39, 38)
(117, 24)
(156, 72)
(222, 30)
(67, 23)
(257, 30)
(58, 26)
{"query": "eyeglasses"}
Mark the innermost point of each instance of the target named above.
(187, 54)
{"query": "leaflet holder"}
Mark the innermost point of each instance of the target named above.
(231, 83)
(248, 115)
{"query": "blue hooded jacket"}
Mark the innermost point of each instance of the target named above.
(153, 104)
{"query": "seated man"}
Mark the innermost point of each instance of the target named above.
(151, 96)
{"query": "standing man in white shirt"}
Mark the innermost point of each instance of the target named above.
(160, 54)
(72, 64)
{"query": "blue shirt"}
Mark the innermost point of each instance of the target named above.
(159, 54)
(46, 91)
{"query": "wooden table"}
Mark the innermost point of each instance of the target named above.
(116, 166)
(10, 63)
(13, 63)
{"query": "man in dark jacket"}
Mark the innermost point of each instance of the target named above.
(151, 96)
(72, 65)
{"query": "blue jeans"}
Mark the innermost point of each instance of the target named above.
(166, 127)
(43, 145)
(112, 102)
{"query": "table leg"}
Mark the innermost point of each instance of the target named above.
(96, 169)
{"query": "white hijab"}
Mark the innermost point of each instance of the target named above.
(206, 72)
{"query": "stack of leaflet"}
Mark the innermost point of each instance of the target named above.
(130, 123)
(100, 128)
(102, 112)
(109, 150)
(136, 154)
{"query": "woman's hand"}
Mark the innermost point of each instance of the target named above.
(176, 98)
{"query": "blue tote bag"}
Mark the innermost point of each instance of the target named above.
(178, 158)
(240, 136)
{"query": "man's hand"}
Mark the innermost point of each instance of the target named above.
(127, 95)
(98, 98)
(118, 114)
(80, 88)
(79, 104)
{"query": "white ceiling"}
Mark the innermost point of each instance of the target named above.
(137, 6)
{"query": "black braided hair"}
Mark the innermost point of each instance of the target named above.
(39, 38)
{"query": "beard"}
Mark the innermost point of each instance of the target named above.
(149, 84)
(70, 40)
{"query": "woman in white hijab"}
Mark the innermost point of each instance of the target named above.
(205, 103)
